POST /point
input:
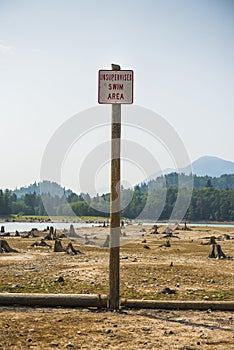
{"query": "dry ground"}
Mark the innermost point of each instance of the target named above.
(144, 274)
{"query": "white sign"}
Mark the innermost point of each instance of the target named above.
(115, 86)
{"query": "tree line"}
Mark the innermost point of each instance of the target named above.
(214, 201)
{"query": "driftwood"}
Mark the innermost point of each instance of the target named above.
(42, 243)
(5, 234)
(5, 248)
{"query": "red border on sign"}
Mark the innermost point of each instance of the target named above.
(116, 71)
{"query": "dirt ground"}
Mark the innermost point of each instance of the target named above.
(28, 328)
(147, 267)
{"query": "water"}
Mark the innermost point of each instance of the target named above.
(27, 226)
(182, 224)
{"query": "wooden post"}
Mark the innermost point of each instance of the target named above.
(115, 205)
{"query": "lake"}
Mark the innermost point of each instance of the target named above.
(27, 226)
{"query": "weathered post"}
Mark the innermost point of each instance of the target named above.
(115, 205)
(115, 87)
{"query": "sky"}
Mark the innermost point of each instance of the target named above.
(182, 56)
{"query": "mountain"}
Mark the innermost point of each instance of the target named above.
(52, 188)
(211, 166)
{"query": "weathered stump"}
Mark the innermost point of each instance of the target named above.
(106, 244)
(216, 252)
(220, 253)
(51, 235)
(72, 232)
(87, 241)
(71, 250)
(5, 248)
(212, 240)
(58, 248)
(154, 230)
(168, 243)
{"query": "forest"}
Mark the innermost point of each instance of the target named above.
(212, 200)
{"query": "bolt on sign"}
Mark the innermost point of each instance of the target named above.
(115, 86)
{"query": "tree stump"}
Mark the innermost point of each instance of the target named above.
(87, 241)
(72, 232)
(51, 235)
(168, 243)
(220, 253)
(212, 240)
(226, 236)
(58, 248)
(216, 252)
(5, 248)
(106, 244)
(154, 230)
(71, 250)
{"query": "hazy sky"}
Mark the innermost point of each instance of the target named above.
(181, 52)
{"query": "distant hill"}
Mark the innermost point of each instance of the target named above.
(52, 188)
(212, 166)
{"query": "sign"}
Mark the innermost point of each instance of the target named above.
(115, 86)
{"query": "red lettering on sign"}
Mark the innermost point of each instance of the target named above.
(115, 96)
(115, 86)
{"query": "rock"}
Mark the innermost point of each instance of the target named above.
(70, 345)
(168, 291)
(60, 279)
(146, 246)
